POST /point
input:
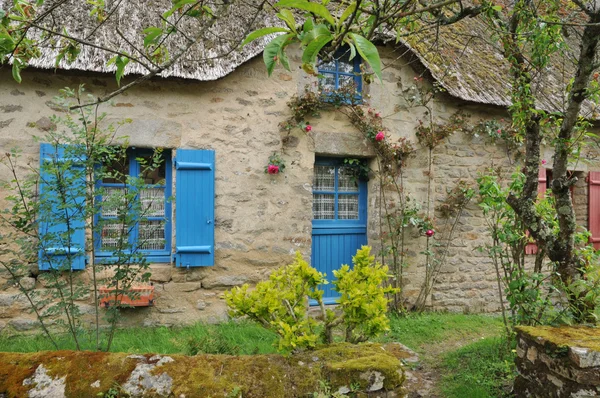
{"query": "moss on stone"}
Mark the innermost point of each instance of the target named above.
(339, 370)
(78, 367)
(574, 336)
(264, 376)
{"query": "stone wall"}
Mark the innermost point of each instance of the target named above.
(557, 362)
(261, 219)
(366, 370)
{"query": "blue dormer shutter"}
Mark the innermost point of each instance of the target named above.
(195, 208)
(61, 212)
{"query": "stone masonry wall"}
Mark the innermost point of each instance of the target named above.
(557, 362)
(261, 219)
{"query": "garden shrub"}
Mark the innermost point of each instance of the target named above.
(281, 303)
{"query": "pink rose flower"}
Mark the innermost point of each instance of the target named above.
(273, 169)
(308, 128)
(429, 233)
(380, 136)
(499, 131)
(378, 114)
(543, 161)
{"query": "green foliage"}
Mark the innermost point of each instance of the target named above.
(281, 303)
(211, 343)
(484, 369)
(70, 201)
(363, 297)
(233, 338)
(527, 290)
(419, 330)
(320, 35)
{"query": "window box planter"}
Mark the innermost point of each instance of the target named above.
(140, 296)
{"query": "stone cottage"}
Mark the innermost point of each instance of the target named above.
(219, 122)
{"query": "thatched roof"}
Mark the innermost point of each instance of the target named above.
(204, 61)
(461, 57)
(466, 60)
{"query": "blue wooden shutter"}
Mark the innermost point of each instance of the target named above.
(195, 208)
(61, 213)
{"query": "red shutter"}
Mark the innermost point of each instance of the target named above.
(531, 248)
(594, 208)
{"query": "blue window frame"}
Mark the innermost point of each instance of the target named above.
(340, 72)
(339, 196)
(151, 236)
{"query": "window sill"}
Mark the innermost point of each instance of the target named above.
(166, 258)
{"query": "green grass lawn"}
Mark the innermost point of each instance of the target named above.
(479, 370)
(466, 350)
(236, 338)
(419, 330)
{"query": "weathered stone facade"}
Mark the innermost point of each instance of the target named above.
(261, 219)
(558, 362)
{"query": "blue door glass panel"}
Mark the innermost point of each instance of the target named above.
(339, 219)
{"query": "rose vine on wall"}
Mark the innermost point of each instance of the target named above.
(399, 213)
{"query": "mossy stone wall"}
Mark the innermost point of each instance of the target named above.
(558, 362)
(369, 370)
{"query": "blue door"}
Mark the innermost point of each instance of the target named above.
(339, 225)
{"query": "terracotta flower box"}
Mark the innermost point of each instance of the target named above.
(141, 296)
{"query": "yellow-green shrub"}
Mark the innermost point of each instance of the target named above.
(363, 301)
(281, 302)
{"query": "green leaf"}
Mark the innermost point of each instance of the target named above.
(152, 35)
(16, 70)
(7, 43)
(368, 52)
(317, 9)
(309, 25)
(310, 35)
(312, 50)
(120, 62)
(347, 12)
(176, 6)
(285, 62)
(497, 8)
(263, 32)
(271, 52)
(352, 49)
(208, 10)
(287, 16)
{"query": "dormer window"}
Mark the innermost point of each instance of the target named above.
(341, 76)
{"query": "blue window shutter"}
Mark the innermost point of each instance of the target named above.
(61, 213)
(195, 208)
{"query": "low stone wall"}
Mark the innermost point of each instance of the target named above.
(558, 362)
(367, 370)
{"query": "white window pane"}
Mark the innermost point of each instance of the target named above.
(113, 201)
(330, 65)
(346, 81)
(324, 179)
(153, 202)
(152, 235)
(348, 207)
(347, 180)
(327, 82)
(323, 207)
(114, 236)
(346, 66)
